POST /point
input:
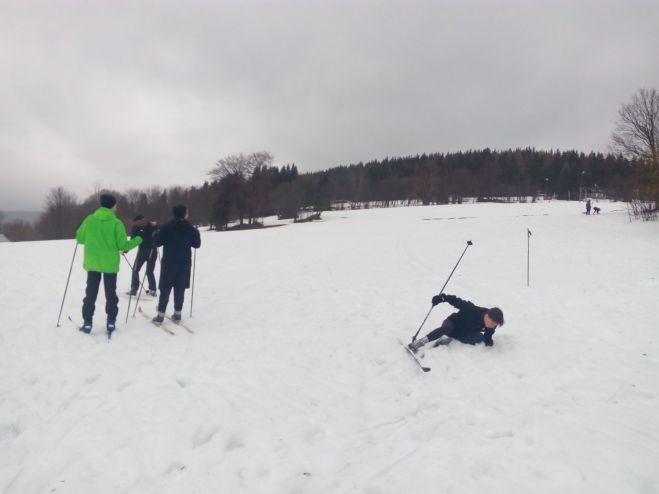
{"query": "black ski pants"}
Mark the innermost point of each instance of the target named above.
(147, 256)
(448, 329)
(176, 278)
(111, 299)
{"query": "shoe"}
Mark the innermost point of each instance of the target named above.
(442, 341)
(176, 317)
(415, 345)
(131, 293)
(86, 328)
(151, 292)
(110, 327)
(159, 319)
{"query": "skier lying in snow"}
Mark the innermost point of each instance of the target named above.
(471, 324)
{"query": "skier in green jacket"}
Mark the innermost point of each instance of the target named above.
(104, 237)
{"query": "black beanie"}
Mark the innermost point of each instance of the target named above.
(179, 211)
(108, 200)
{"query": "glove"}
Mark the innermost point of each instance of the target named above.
(438, 299)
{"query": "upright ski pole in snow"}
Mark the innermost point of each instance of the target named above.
(131, 274)
(528, 255)
(66, 288)
(194, 268)
(469, 242)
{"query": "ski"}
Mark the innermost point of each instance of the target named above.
(146, 316)
(78, 326)
(416, 359)
(179, 323)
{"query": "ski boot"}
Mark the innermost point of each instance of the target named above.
(415, 345)
(151, 292)
(86, 328)
(110, 327)
(176, 317)
(442, 341)
(159, 319)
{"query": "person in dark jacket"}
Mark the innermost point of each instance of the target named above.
(471, 324)
(146, 253)
(177, 237)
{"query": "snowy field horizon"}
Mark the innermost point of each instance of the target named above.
(294, 381)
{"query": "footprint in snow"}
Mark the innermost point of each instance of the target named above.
(203, 437)
(8, 431)
(235, 441)
(183, 382)
(92, 379)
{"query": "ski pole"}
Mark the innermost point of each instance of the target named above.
(194, 266)
(528, 255)
(127, 261)
(469, 242)
(130, 296)
(139, 293)
(66, 288)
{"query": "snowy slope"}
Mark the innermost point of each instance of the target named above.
(294, 382)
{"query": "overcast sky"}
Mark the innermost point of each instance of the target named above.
(125, 94)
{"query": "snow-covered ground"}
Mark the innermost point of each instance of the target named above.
(294, 381)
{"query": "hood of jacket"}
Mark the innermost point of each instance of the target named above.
(104, 214)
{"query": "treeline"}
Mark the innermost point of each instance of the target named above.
(483, 174)
(245, 188)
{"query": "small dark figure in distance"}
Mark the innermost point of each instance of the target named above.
(596, 210)
(588, 206)
(471, 324)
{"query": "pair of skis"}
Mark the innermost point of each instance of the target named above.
(162, 326)
(165, 328)
(416, 357)
(79, 328)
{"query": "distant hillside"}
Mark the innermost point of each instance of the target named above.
(29, 216)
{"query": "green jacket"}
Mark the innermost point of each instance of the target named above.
(104, 237)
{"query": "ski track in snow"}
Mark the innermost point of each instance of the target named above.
(294, 381)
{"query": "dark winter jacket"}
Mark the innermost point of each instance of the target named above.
(147, 232)
(177, 238)
(468, 319)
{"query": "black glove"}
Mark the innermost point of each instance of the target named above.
(438, 299)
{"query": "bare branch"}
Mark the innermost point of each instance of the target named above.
(636, 133)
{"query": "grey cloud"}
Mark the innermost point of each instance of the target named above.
(133, 94)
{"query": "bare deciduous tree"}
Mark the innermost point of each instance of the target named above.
(636, 134)
(59, 219)
(241, 164)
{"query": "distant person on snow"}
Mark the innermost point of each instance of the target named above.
(588, 205)
(471, 324)
(177, 237)
(104, 238)
(146, 253)
(596, 210)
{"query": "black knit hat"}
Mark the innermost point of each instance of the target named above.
(108, 200)
(179, 211)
